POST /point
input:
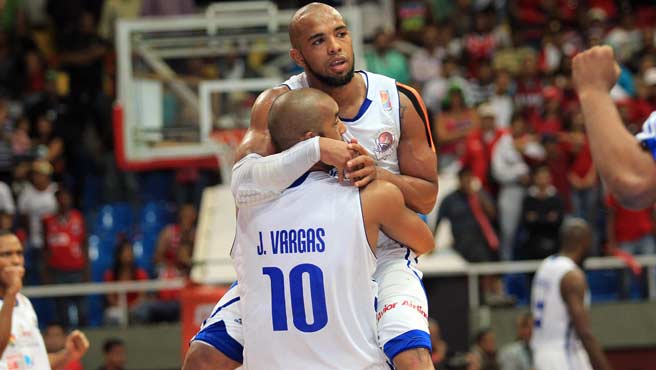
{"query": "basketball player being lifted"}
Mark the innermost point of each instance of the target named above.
(391, 126)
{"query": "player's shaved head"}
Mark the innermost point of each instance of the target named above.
(297, 112)
(311, 10)
(575, 236)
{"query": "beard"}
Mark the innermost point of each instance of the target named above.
(330, 80)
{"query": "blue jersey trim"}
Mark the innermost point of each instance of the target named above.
(650, 145)
(299, 180)
(224, 306)
(365, 104)
(217, 336)
(407, 258)
(409, 340)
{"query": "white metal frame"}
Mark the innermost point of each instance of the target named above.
(222, 17)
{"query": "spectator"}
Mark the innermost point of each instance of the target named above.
(485, 349)
(6, 156)
(48, 145)
(482, 85)
(511, 172)
(426, 62)
(66, 256)
(176, 241)
(6, 199)
(124, 268)
(630, 231)
(435, 91)
(558, 160)
(582, 174)
(550, 121)
(453, 125)
(21, 144)
(54, 337)
(386, 60)
(115, 355)
(34, 202)
(542, 214)
(501, 101)
(470, 211)
(528, 97)
(479, 146)
(518, 355)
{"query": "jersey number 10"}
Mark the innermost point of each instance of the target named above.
(279, 303)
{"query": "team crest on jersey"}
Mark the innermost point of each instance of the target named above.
(385, 100)
(384, 145)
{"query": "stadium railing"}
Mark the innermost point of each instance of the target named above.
(431, 266)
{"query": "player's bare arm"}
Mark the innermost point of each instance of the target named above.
(384, 208)
(203, 357)
(417, 159)
(628, 171)
(12, 282)
(572, 288)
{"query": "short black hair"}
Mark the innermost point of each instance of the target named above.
(56, 324)
(111, 343)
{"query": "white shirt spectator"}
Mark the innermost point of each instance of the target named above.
(35, 204)
(425, 66)
(6, 199)
(503, 108)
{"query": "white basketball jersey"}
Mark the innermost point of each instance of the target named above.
(305, 270)
(377, 127)
(553, 328)
(25, 349)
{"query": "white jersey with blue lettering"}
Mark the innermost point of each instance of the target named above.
(647, 137)
(305, 270)
(554, 341)
(377, 128)
(402, 303)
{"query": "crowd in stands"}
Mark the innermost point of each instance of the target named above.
(496, 78)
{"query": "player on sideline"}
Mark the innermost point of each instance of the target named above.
(324, 234)
(562, 338)
(626, 164)
(390, 121)
(21, 343)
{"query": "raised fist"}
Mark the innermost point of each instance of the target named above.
(595, 70)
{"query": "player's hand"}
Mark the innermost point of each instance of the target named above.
(362, 168)
(12, 278)
(335, 153)
(595, 70)
(77, 345)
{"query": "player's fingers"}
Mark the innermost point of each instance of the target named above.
(358, 148)
(361, 160)
(340, 174)
(365, 180)
(361, 173)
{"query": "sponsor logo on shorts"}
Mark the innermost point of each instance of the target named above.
(406, 303)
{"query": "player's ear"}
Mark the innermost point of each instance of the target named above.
(308, 135)
(297, 57)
